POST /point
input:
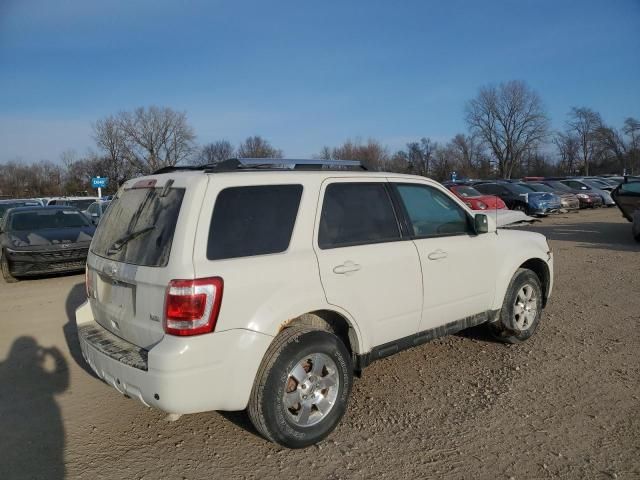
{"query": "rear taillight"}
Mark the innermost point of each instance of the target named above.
(191, 307)
(87, 287)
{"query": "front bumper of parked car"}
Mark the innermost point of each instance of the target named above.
(544, 207)
(28, 261)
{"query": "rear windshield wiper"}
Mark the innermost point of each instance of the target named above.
(121, 242)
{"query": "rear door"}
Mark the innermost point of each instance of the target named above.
(366, 267)
(142, 243)
(458, 267)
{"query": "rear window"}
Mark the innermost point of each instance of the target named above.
(255, 220)
(148, 218)
(46, 219)
(356, 214)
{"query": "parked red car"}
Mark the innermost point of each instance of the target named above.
(476, 200)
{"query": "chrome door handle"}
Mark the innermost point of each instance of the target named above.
(346, 267)
(437, 255)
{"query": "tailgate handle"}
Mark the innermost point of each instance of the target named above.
(437, 255)
(346, 267)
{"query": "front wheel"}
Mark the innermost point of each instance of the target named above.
(521, 309)
(302, 387)
(6, 270)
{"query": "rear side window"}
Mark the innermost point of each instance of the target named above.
(249, 221)
(356, 214)
(138, 228)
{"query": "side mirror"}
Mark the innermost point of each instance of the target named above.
(480, 223)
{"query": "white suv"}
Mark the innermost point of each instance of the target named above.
(266, 284)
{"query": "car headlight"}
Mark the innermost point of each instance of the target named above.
(582, 195)
(481, 205)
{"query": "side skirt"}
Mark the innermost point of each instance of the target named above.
(387, 349)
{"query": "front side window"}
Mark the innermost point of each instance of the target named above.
(356, 214)
(431, 212)
(256, 220)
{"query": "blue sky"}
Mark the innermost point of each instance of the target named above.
(303, 74)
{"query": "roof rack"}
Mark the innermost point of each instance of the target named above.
(238, 164)
(235, 164)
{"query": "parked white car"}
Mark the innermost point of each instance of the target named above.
(249, 286)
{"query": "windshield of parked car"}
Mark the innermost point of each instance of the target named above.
(540, 187)
(517, 189)
(595, 183)
(80, 204)
(42, 219)
(526, 186)
(560, 186)
(467, 191)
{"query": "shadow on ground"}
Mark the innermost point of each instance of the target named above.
(75, 298)
(603, 235)
(32, 434)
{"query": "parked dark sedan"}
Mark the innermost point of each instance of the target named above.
(587, 198)
(627, 197)
(41, 240)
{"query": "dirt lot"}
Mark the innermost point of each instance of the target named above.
(566, 404)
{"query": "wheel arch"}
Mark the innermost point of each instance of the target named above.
(541, 269)
(330, 320)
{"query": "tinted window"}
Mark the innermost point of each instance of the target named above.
(431, 212)
(515, 188)
(577, 185)
(135, 210)
(46, 219)
(491, 188)
(253, 220)
(356, 214)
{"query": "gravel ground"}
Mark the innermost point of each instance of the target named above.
(565, 404)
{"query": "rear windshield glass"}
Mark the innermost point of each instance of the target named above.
(540, 187)
(80, 204)
(255, 220)
(138, 227)
(45, 219)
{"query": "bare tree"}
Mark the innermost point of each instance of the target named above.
(584, 123)
(215, 152)
(568, 146)
(111, 139)
(420, 156)
(258, 147)
(632, 130)
(510, 119)
(155, 137)
(373, 155)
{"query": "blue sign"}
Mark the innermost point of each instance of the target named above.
(454, 176)
(98, 182)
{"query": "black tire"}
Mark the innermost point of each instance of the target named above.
(520, 208)
(6, 270)
(506, 328)
(267, 409)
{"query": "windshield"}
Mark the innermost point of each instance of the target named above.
(80, 204)
(133, 211)
(46, 219)
(595, 184)
(527, 186)
(514, 188)
(560, 186)
(540, 187)
(6, 206)
(467, 191)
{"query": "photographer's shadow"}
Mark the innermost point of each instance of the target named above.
(32, 435)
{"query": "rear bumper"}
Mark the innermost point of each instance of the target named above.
(23, 263)
(179, 374)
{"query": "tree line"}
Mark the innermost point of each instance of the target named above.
(508, 135)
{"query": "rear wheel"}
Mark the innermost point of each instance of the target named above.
(6, 270)
(302, 387)
(521, 309)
